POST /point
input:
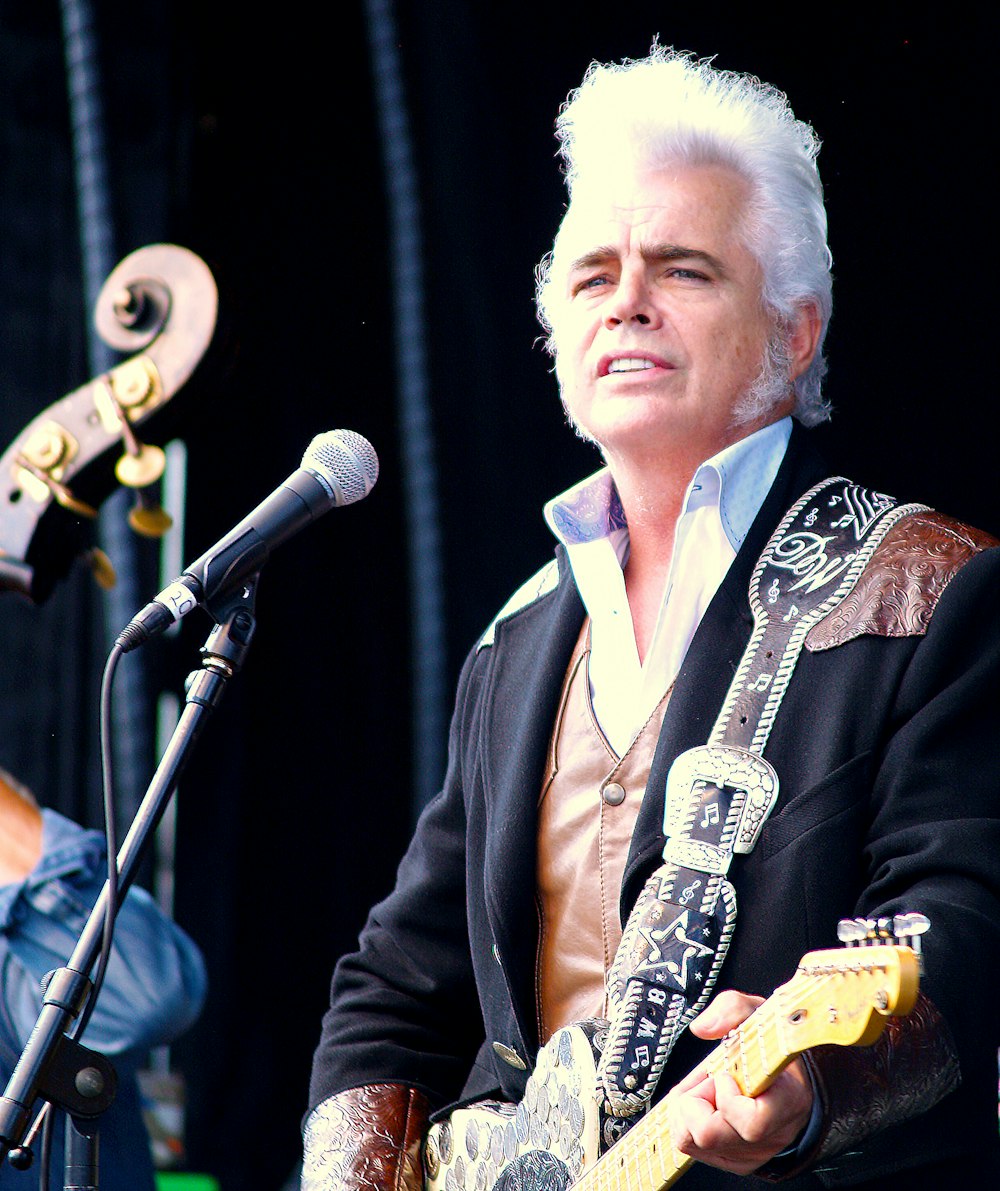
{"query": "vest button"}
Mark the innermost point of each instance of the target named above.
(510, 1056)
(613, 794)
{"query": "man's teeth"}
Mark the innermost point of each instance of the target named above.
(630, 364)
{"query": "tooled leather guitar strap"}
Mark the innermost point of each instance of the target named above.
(719, 794)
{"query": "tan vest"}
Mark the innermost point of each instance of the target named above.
(587, 810)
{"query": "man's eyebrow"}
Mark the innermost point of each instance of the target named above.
(662, 251)
(677, 252)
(596, 256)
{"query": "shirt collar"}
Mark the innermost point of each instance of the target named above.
(735, 481)
(586, 512)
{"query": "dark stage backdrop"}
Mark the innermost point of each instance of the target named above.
(252, 136)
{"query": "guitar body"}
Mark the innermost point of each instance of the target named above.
(538, 1170)
(541, 1144)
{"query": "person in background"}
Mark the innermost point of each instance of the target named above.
(51, 873)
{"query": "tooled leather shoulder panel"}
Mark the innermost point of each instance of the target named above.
(899, 589)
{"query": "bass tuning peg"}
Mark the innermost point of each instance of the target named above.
(142, 464)
(101, 568)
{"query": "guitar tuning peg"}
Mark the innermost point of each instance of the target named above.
(910, 925)
(852, 931)
(862, 931)
(146, 517)
(142, 464)
(908, 928)
(125, 389)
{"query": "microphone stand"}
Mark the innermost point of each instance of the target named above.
(52, 1065)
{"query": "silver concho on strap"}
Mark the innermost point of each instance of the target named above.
(719, 795)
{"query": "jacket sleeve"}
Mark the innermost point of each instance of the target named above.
(932, 845)
(366, 1139)
(155, 982)
(404, 1007)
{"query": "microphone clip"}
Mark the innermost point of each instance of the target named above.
(225, 649)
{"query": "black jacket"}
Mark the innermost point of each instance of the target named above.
(890, 801)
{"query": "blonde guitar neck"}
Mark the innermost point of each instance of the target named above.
(550, 1141)
(754, 1055)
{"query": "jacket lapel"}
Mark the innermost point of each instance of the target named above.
(527, 670)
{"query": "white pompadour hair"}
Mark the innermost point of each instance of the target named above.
(670, 107)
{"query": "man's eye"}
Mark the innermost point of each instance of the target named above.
(686, 274)
(587, 283)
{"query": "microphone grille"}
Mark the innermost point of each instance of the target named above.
(345, 461)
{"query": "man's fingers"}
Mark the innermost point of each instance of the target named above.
(694, 1080)
(714, 1123)
(771, 1121)
(727, 1011)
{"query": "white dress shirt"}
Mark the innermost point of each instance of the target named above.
(719, 507)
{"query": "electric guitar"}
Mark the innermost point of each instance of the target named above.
(559, 1136)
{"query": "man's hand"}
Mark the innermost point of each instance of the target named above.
(713, 1123)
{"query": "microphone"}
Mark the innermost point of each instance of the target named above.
(338, 468)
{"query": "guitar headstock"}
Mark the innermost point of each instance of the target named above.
(847, 994)
(160, 304)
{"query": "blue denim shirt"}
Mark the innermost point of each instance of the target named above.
(153, 990)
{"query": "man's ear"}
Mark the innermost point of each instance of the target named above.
(803, 337)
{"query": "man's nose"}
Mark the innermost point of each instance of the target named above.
(632, 303)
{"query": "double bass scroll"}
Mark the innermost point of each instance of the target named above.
(159, 305)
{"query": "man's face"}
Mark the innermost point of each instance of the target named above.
(658, 323)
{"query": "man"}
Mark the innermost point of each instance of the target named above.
(710, 588)
(51, 873)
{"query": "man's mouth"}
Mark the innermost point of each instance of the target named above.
(630, 364)
(610, 365)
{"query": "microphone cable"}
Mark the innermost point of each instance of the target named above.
(44, 1118)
